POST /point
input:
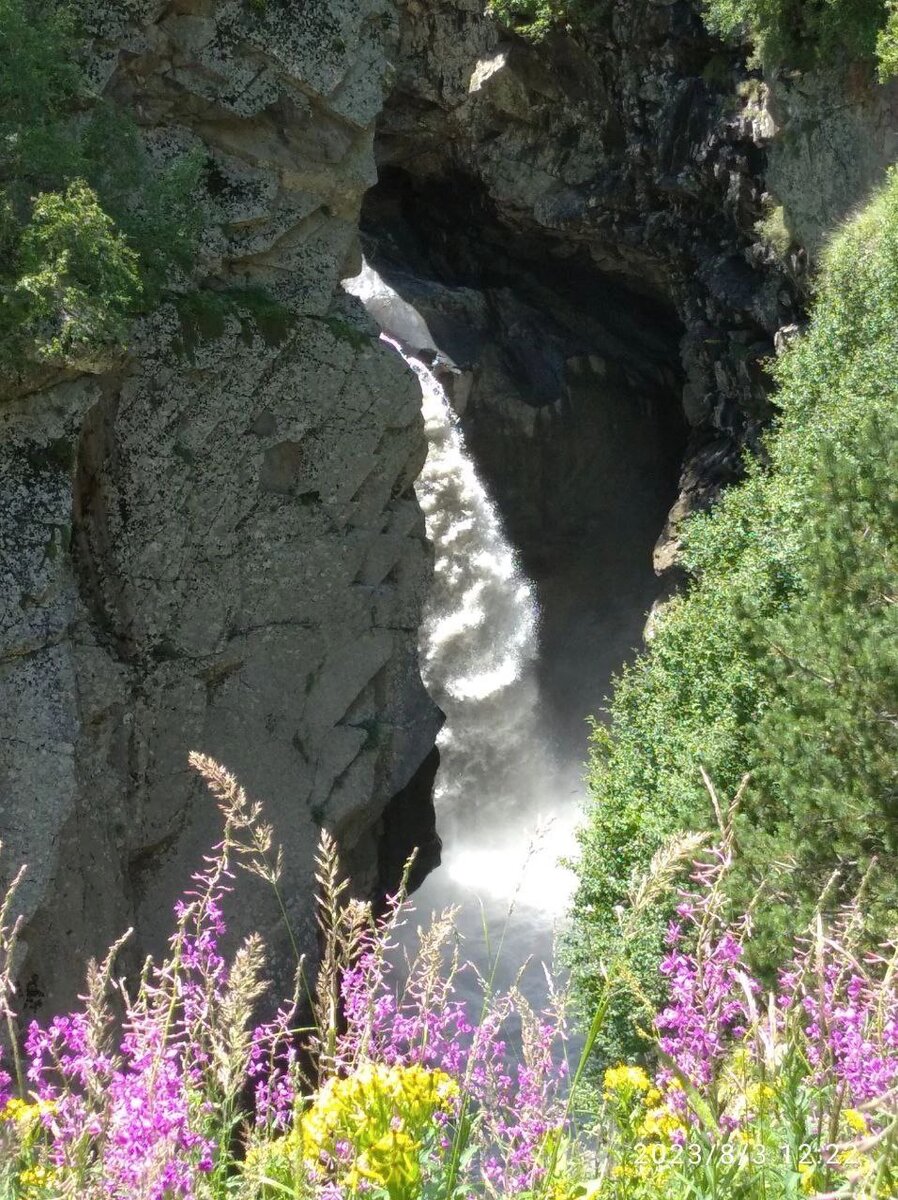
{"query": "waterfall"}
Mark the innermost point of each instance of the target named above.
(497, 782)
(479, 650)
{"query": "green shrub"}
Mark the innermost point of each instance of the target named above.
(90, 229)
(781, 657)
(775, 232)
(533, 19)
(798, 32)
(887, 44)
(79, 280)
(794, 32)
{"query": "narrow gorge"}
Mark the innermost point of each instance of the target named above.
(215, 539)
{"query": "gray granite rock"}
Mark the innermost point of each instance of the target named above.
(832, 134)
(215, 545)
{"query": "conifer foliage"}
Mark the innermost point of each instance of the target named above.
(797, 32)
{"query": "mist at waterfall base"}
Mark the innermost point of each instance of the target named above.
(506, 809)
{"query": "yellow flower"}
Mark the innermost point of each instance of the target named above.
(36, 1177)
(628, 1088)
(856, 1162)
(38, 1180)
(371, 1101)
(807, 1174)
(855, 1120)
(361, 1130)
(659, 1123)
(390, 1162)
(16, 1110)
(626, 1080)
(25, 1116)
(758, 1094)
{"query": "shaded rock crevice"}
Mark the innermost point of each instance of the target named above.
(566, 381)
(637, 149)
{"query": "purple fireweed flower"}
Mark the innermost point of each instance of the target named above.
(63, 1055)
(141, 1116)
(850, 1022)
(518, 1106)
(707, 1010)
(137, 1119)
(531, 1108)
(151, 1146)
(272, 1067)
(838, 1012)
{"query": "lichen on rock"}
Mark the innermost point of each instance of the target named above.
(215, 544)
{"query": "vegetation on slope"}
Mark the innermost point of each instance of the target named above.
(89, 227)
(798, 33)
(791, 32)
(533, 19)
(782, 657)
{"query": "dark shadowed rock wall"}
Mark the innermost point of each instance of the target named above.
(635, 148)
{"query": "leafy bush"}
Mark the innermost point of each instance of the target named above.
(798, 32)
(887, 44)
(533, 19)
(781, 657)
(89, 228)
(79, 278)
(783, 31)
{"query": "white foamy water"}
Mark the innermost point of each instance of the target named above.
(504, 810)
(496, 789)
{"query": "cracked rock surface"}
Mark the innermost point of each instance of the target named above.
(216, 545)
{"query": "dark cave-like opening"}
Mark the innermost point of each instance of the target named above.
(568, 386)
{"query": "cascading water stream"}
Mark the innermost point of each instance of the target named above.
(497, 782)
(479, 649)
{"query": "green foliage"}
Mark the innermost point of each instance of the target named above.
(781, 658)
(78, 279)
(531, 18)
(40, 84)
(90, 229)
(775, 232)
(534, 19)
(795, 32)
(798, 32)
(887, 44)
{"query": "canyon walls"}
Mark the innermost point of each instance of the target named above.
(652, 173)
(215, 544)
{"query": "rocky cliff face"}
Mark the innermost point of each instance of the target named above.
(639, 154)
(216, 545)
